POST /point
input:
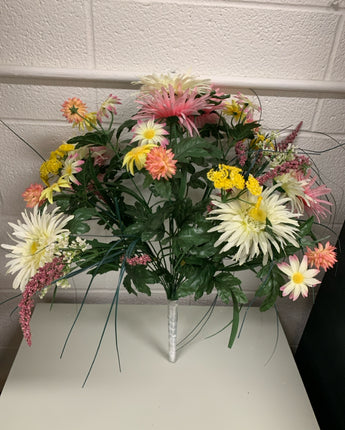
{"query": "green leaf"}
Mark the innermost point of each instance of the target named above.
(225, 283)
(129, 124)
(84, 214)
(272, 280)
(196, 278)
(162, 188)
(128, 286)
(243, 130)
(192, 236)
(141, 276)
(92, 138)
(77, 227)
(269, 301)
(235, 321)
(135, 229)
(205, 250)
(305, 227)
(191, 147)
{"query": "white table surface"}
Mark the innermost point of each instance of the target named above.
(209, 387)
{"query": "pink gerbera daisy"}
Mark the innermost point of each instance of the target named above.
(160, 163)
(324, 257)
(32, 195)
(165, 103)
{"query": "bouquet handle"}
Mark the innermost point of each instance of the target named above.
(172, 329)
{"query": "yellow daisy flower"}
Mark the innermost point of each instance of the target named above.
(47, 193)
(137, 156)
(234, 109)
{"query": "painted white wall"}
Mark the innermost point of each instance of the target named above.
(288, 40)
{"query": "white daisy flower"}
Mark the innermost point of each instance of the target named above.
(254, 224)
(35, 241)
(300, 277)
(150, 132)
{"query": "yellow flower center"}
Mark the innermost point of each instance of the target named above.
(297, 278)
(33, 247)
(257, 213)
(149, 133)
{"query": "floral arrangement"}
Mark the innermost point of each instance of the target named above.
(190, 190)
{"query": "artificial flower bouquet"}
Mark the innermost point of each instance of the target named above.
(189, 191)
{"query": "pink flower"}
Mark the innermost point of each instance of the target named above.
(165, 103)
(324, 257)
(283, 145)
(241, 152)
(160, 163)
(142, 259)
(108, 106)
(299, 163)
(32, 195)
(100, 154)
(313, 205)
(44, 277)
(206, 118)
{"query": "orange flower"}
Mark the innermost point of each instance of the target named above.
(160, 163)
(324, 257)
(74, 110)
(32, 195)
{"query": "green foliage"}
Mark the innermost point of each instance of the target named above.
(140, 278)
(195, 148)
(196, 280)
(227, 286)
(76, 225)
(243, 131)
(96, 138)
(272, 279)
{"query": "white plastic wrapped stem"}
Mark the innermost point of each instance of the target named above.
(172, 329)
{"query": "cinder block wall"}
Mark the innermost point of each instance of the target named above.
(289, 40)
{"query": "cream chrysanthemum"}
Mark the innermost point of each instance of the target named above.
(294, 189)
(35, 243)
(254, 225)
(180, 83)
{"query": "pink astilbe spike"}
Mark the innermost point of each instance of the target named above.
(282, 146)
(300, 162)
(241, 153)
(44, 277)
